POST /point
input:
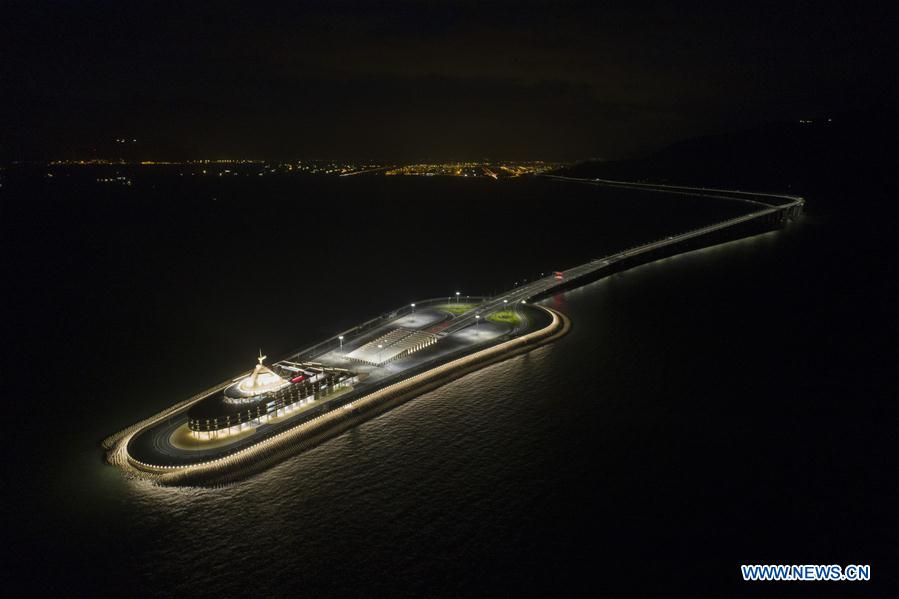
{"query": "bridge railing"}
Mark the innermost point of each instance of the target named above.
(786, 206)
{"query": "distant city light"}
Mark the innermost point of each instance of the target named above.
(491, 170)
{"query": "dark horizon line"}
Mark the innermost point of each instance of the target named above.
(165, 161)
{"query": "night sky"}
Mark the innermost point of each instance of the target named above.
(423, 80)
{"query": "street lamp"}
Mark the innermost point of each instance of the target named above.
(380, 347)
(457, 297)
(413, 307)
(340, 338)
(477, 321)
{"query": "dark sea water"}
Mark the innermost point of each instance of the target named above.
(731, 405)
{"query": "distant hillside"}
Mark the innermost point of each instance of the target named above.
(842, 152)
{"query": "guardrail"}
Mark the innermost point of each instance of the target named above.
(328, 404)
(784, 207)
(665, 188)
(229, 466)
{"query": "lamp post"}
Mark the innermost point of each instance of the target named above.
(380, 347)
(340, 338)
(457, 297)
(477, 321)
(413, 307)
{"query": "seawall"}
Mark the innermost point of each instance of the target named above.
(305, 435)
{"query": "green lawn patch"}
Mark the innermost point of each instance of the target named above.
(505, 317)
(457, 309)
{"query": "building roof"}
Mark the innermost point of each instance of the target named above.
(261, 380)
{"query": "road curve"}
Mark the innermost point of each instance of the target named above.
(234, 465)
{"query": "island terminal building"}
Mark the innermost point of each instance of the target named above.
(264, 394)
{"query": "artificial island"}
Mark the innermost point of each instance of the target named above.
(260, 417)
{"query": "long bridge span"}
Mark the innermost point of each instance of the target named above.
(771, 211)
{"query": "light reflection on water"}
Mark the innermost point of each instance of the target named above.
(456, 466)
(616, 437)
